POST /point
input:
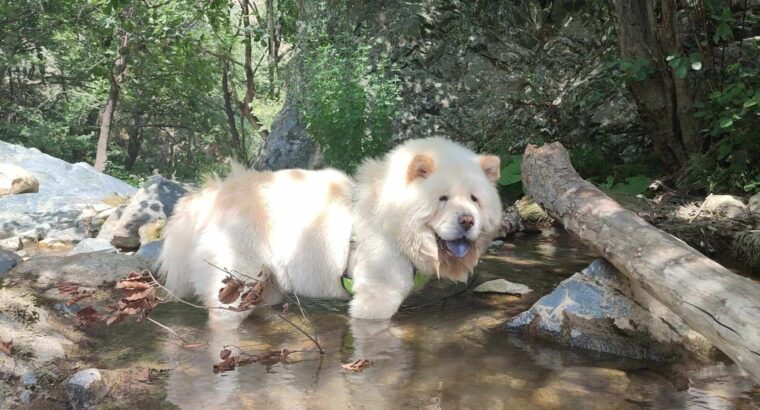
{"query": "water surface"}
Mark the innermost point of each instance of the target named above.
(445, 349)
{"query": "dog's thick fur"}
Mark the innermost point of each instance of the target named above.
(405, 211)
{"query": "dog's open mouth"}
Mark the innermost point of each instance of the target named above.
(457, 247)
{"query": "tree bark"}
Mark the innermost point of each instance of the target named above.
(272, 46)
(227, 95)
(664, 102)
(715, 302)
(134, 131)
(115, 78)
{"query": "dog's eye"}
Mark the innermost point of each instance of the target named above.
(474, 198)
(443, 198)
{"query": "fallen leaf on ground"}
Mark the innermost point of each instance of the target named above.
(77, 296)
(5, 347)
(87, 316)
(64, 288)
(224, 354)
(139, 299)
(357, 365)
(273, 356)
(226, 365)
(231, 291)
(252, 296)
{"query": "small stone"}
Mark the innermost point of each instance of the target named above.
(26, 396)
(85, 388)
(150, 250)
(728, 206)
(15, 180)
(54, 245)
(29, 379)
(502, 286)
(93, 245)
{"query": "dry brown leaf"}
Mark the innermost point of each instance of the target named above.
(252, 296)
(5, 347)
(224, 354)
(231, 291)
(65, 288)
(87, 316)
(285, 309)
(273, 356)
(226, 364)
(77, 296)
(357, 365)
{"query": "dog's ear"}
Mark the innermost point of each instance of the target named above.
(491, 165)
(422, 166)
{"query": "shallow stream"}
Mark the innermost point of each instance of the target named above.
(445, 349)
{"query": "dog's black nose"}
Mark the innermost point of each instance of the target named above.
(466, 222)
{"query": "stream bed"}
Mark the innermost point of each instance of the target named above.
(446, 348)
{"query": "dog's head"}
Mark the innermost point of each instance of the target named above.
(448, 206)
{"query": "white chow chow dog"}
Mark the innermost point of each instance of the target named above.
(429, 204)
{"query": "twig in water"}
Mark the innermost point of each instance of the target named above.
(168, 329)
(314, 340)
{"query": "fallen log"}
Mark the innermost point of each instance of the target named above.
(722, 306)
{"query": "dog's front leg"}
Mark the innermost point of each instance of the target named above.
(383, 278)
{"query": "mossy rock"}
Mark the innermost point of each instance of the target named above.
(151, 231)
(531, 212)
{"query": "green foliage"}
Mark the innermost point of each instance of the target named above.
(637, 184)
(349, 100)
(633, 70)
(681, 64)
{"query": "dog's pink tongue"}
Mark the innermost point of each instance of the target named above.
(459, 247)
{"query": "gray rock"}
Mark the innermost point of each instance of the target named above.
(88, 269)
(288, 145)
(93, 245)
(12, 244)
(85, 388)
(754, 204)
(8, 260)
(26, 396)
(29, 379)
(502, 286)
(598, 309)
(154, 200)
(150, 250)
(60, 178)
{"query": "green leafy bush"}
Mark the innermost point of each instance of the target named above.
(349, 99)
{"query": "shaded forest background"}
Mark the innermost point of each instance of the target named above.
(637, 91)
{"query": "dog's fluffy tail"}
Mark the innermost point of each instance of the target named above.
(179, 242)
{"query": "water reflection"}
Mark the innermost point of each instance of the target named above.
(440, 352)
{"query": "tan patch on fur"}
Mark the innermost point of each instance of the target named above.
(339, 192)
(491, 165)
(422, 166)
(242, 194)
(296, 174)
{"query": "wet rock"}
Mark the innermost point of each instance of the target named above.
(154, 200)
(150, 250)
(502, 286)
(8, 260)
(93, 245)
(598, 309)
(26, 396)
(85, 388)
(727, 206)
(29, 379)
(91, 269)
(15, 180)
(151, 231)
(754, 204)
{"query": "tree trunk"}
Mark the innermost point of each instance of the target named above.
(272, 46)
(664, 102)
(712, 300)
(115, 78)
(134, 131)
(227, 95)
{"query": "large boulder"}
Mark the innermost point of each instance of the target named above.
(66, 191)
(598, 309)
(288, 144)
(16, 180)
(8, 260)
(153, 201)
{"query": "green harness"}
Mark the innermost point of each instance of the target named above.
(418, 279)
